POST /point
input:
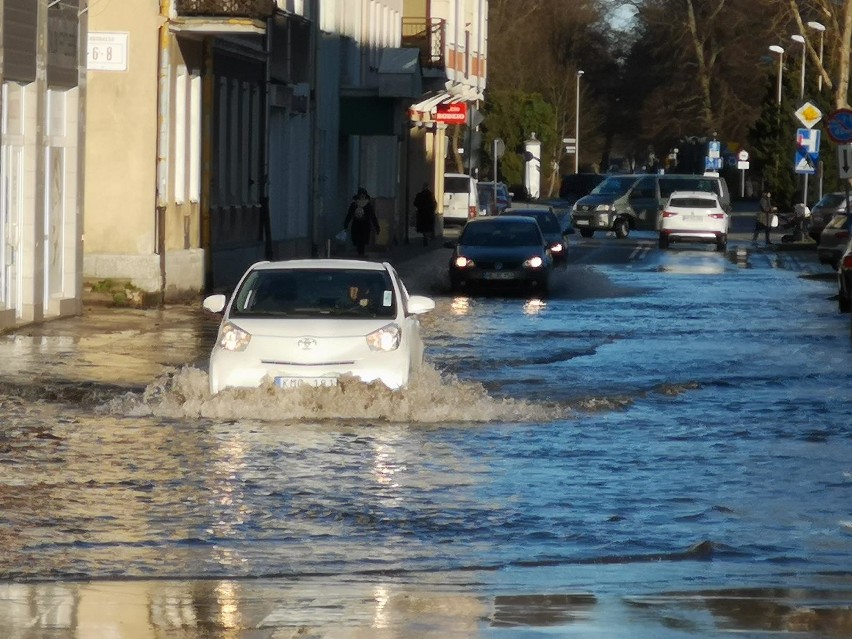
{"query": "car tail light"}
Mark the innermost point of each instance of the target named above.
(555, 247)
(471, 211)
(669, 213)
(717, 216)
(841, 235)
(847, 261)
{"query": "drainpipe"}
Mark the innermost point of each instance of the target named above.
(163, 100)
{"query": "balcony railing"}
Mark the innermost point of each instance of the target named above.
(426, 34)
(255, 9)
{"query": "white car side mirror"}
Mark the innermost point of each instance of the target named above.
(419, 304)
(215, 303)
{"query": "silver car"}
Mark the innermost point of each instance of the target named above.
(830, 204)
(833, 239)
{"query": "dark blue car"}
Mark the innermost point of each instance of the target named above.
(501, 251)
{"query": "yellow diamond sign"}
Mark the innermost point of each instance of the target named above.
(808, 114)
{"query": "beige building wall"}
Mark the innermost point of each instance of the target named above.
(121, 149)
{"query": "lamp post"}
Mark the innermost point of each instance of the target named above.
(780, 51)
(577, 125)
(818, 26)
(801, 40)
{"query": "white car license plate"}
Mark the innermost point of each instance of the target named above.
(500, 275)
(581, 222)
(293, 382)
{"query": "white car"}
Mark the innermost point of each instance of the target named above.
(694, 216)
(310, 321)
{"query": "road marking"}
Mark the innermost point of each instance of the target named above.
(641, 250)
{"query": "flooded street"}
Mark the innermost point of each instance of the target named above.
(662, 448)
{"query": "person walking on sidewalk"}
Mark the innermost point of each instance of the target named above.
(763, 221)
(425, 205)
(361, 219)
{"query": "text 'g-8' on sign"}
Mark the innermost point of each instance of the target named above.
(107, 51)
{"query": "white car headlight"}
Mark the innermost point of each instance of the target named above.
(534, 262)
(463, 262)
(603, 208)
(232, 337)
(386, 338)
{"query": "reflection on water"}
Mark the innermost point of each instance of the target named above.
(247, 609)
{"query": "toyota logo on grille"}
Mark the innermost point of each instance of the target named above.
(306, 343)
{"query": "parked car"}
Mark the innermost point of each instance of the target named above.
(694, 216)
(487, 203)
(844, 280)
(624, 202)
(310, 321)
(461, 198)
(833, 239)
(506, 250)
(829, 205)
(550, 227)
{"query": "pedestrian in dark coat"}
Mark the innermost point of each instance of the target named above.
(763, 222)
(425, 205)
(361, 219)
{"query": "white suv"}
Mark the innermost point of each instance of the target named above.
(694, 216)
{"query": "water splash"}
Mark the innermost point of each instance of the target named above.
(429, 398)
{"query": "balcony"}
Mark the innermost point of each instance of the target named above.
(427, 35)
(251, 9)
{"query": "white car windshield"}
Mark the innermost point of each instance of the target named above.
(320, 293)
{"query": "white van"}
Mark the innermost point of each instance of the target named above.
(461, 198)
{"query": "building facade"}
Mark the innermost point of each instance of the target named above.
(218, 133)
(42, 74)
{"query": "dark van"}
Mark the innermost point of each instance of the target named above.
(624, 202)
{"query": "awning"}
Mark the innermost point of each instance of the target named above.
(424, 111)
(399, 73)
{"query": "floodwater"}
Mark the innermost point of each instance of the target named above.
(661, 448)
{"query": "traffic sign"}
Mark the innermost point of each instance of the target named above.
(807, 151)
(839, 126)
(808, 114)
(713, 149)
(844, 161)
(742, 156)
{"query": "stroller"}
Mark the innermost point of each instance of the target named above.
(796, 223)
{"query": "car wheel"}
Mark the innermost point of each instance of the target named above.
(722, 243)
(621, 228)
(587, 232)
(844, 304)
(664, 241)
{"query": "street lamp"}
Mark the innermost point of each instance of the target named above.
(821, 28)
(577, 125)
(780, 51)
(801, 40)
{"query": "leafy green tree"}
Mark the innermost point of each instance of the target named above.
(514, 116)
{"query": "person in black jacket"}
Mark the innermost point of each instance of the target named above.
(360, 219)
(763, 222)
(425, 205)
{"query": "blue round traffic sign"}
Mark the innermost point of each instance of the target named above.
(839, 126)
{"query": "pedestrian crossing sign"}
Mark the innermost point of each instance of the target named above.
(807, 151)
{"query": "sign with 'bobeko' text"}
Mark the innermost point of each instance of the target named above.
(455, 113)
